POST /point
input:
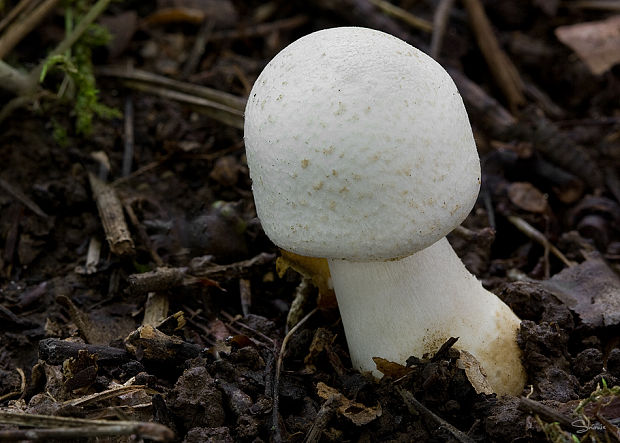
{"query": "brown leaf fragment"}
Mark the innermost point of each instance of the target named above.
(474, 372)
(316, 269)
(358, 413)
(591, 290)
(527, 197)
(390, 368)
(81, 371)
(596, 43)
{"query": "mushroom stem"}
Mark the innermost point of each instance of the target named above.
(411, 306)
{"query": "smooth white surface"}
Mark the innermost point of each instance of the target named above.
(408, 307)
(359, 147)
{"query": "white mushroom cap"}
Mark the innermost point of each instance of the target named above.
(359, 147)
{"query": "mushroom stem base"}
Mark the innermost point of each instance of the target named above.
(399, 308)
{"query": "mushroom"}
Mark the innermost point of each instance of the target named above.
(360, 151)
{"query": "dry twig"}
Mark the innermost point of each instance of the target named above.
(539, 237)
(415, 407)
(221, 106)
(112, 218)
(19, 195)
(276, 382)
(504, 72)
(20, 28)
(440, 20)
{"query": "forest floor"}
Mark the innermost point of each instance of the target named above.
(140, 298)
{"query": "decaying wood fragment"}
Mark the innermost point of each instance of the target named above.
(155, 309)
(112, 217)
(159, 279)
(151, 344)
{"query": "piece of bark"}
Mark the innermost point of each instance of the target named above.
(160, 279)
(54, 351)
(112, 218)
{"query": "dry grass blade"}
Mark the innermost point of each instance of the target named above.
(144, 77)
(20, 28)
(23, 5)
(222, 113)
(502, 68)
(109, 393)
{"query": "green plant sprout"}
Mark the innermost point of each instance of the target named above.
(76, 63)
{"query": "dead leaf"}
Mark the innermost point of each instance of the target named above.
(474, 372)
(391, 369)
(358, 413)
(596, 43)
(525, 196)
(316, 269)
(80, 372)
(590, 289)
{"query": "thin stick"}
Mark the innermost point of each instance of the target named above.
(539, 237)
(403, 15)
(276, 384)
(16, 193)
(546, 412)
(21, 6)
(198, 49)
(261, 29)
(129, 136)
(440, 20)
(416, 407)
(504, 72)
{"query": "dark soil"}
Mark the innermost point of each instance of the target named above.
(210, 369)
